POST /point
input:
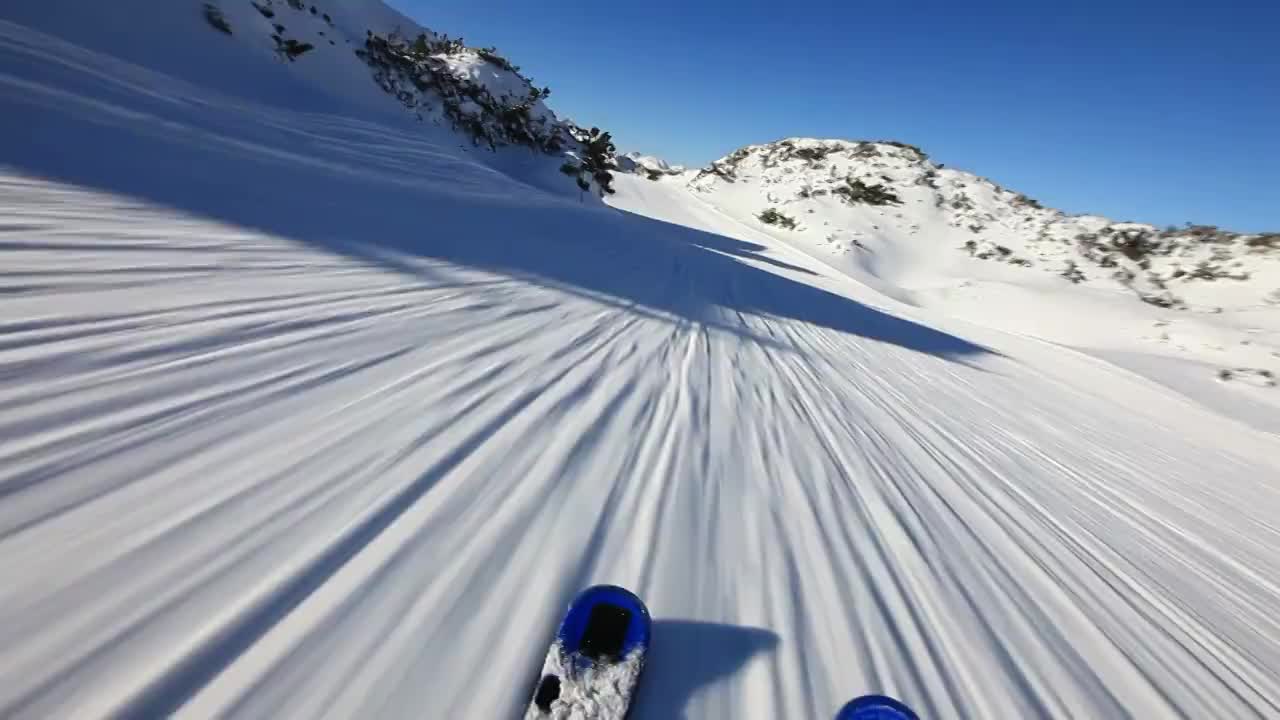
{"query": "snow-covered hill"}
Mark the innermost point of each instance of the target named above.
(347, 56)
(881, 197)
(1196, 308)
(312, 408)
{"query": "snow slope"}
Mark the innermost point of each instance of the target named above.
(323, 413)
(961, 245)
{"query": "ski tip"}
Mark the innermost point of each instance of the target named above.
(876, 707)
(610, 593)
(605, 619)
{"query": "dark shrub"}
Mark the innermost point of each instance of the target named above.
(771, 216)
(214, 15)
(1073, 273)
(856, 191)
(1267, 241)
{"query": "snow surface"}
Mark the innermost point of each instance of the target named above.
(311, 410)
(598, 690)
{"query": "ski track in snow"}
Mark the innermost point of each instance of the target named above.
(243, 475)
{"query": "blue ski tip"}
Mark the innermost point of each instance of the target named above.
(605, 619)
(876, 707)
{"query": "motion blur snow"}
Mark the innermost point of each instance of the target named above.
(312, 408)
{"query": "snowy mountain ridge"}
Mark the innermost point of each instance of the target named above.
(647, 165)
(801, 181)
(475, 91)
(1204, 300)
(482, 95)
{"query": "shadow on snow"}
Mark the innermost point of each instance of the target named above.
(686, 656)
(386, 194)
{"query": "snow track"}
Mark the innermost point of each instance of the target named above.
(261, 479)
(252, 473)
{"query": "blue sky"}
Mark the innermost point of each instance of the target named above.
(1162, 112)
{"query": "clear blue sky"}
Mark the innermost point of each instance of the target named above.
(1162, 112)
